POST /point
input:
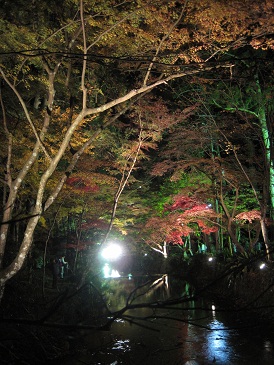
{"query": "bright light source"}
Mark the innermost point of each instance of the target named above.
(115, 274)
(110, 273)
(106, 271)
(210, 259)
(111, 252)
(262, 266)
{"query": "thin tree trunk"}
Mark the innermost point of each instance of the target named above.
(123, 182)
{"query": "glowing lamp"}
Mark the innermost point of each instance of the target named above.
(111, 252)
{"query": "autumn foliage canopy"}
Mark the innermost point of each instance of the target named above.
(184, 216)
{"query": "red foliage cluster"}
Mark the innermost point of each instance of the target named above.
(184, 212)
(73, 181)
(191, 206)
(249, 216)
(181, 202)
(81, 184)
(175, 237)
(197, 210)
(206, 228)
(168, 229)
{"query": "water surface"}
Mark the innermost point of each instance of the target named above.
(193, 330)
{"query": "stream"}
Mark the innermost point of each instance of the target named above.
(190, 332)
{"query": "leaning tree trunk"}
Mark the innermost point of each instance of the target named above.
(11, 270)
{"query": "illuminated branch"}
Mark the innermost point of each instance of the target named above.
(26, 112)
(161, 43)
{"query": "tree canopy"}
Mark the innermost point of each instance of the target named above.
(97, 95)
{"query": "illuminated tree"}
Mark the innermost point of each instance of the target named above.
(186, 215)
(249, 101)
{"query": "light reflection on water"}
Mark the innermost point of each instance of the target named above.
(122, 345)
(207, 336)
(216, 345)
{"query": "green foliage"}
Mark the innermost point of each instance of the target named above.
(164, 193)
(188, 183)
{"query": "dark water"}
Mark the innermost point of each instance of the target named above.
(192, 332)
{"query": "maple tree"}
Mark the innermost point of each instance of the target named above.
(186, 215)
(70, 75)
